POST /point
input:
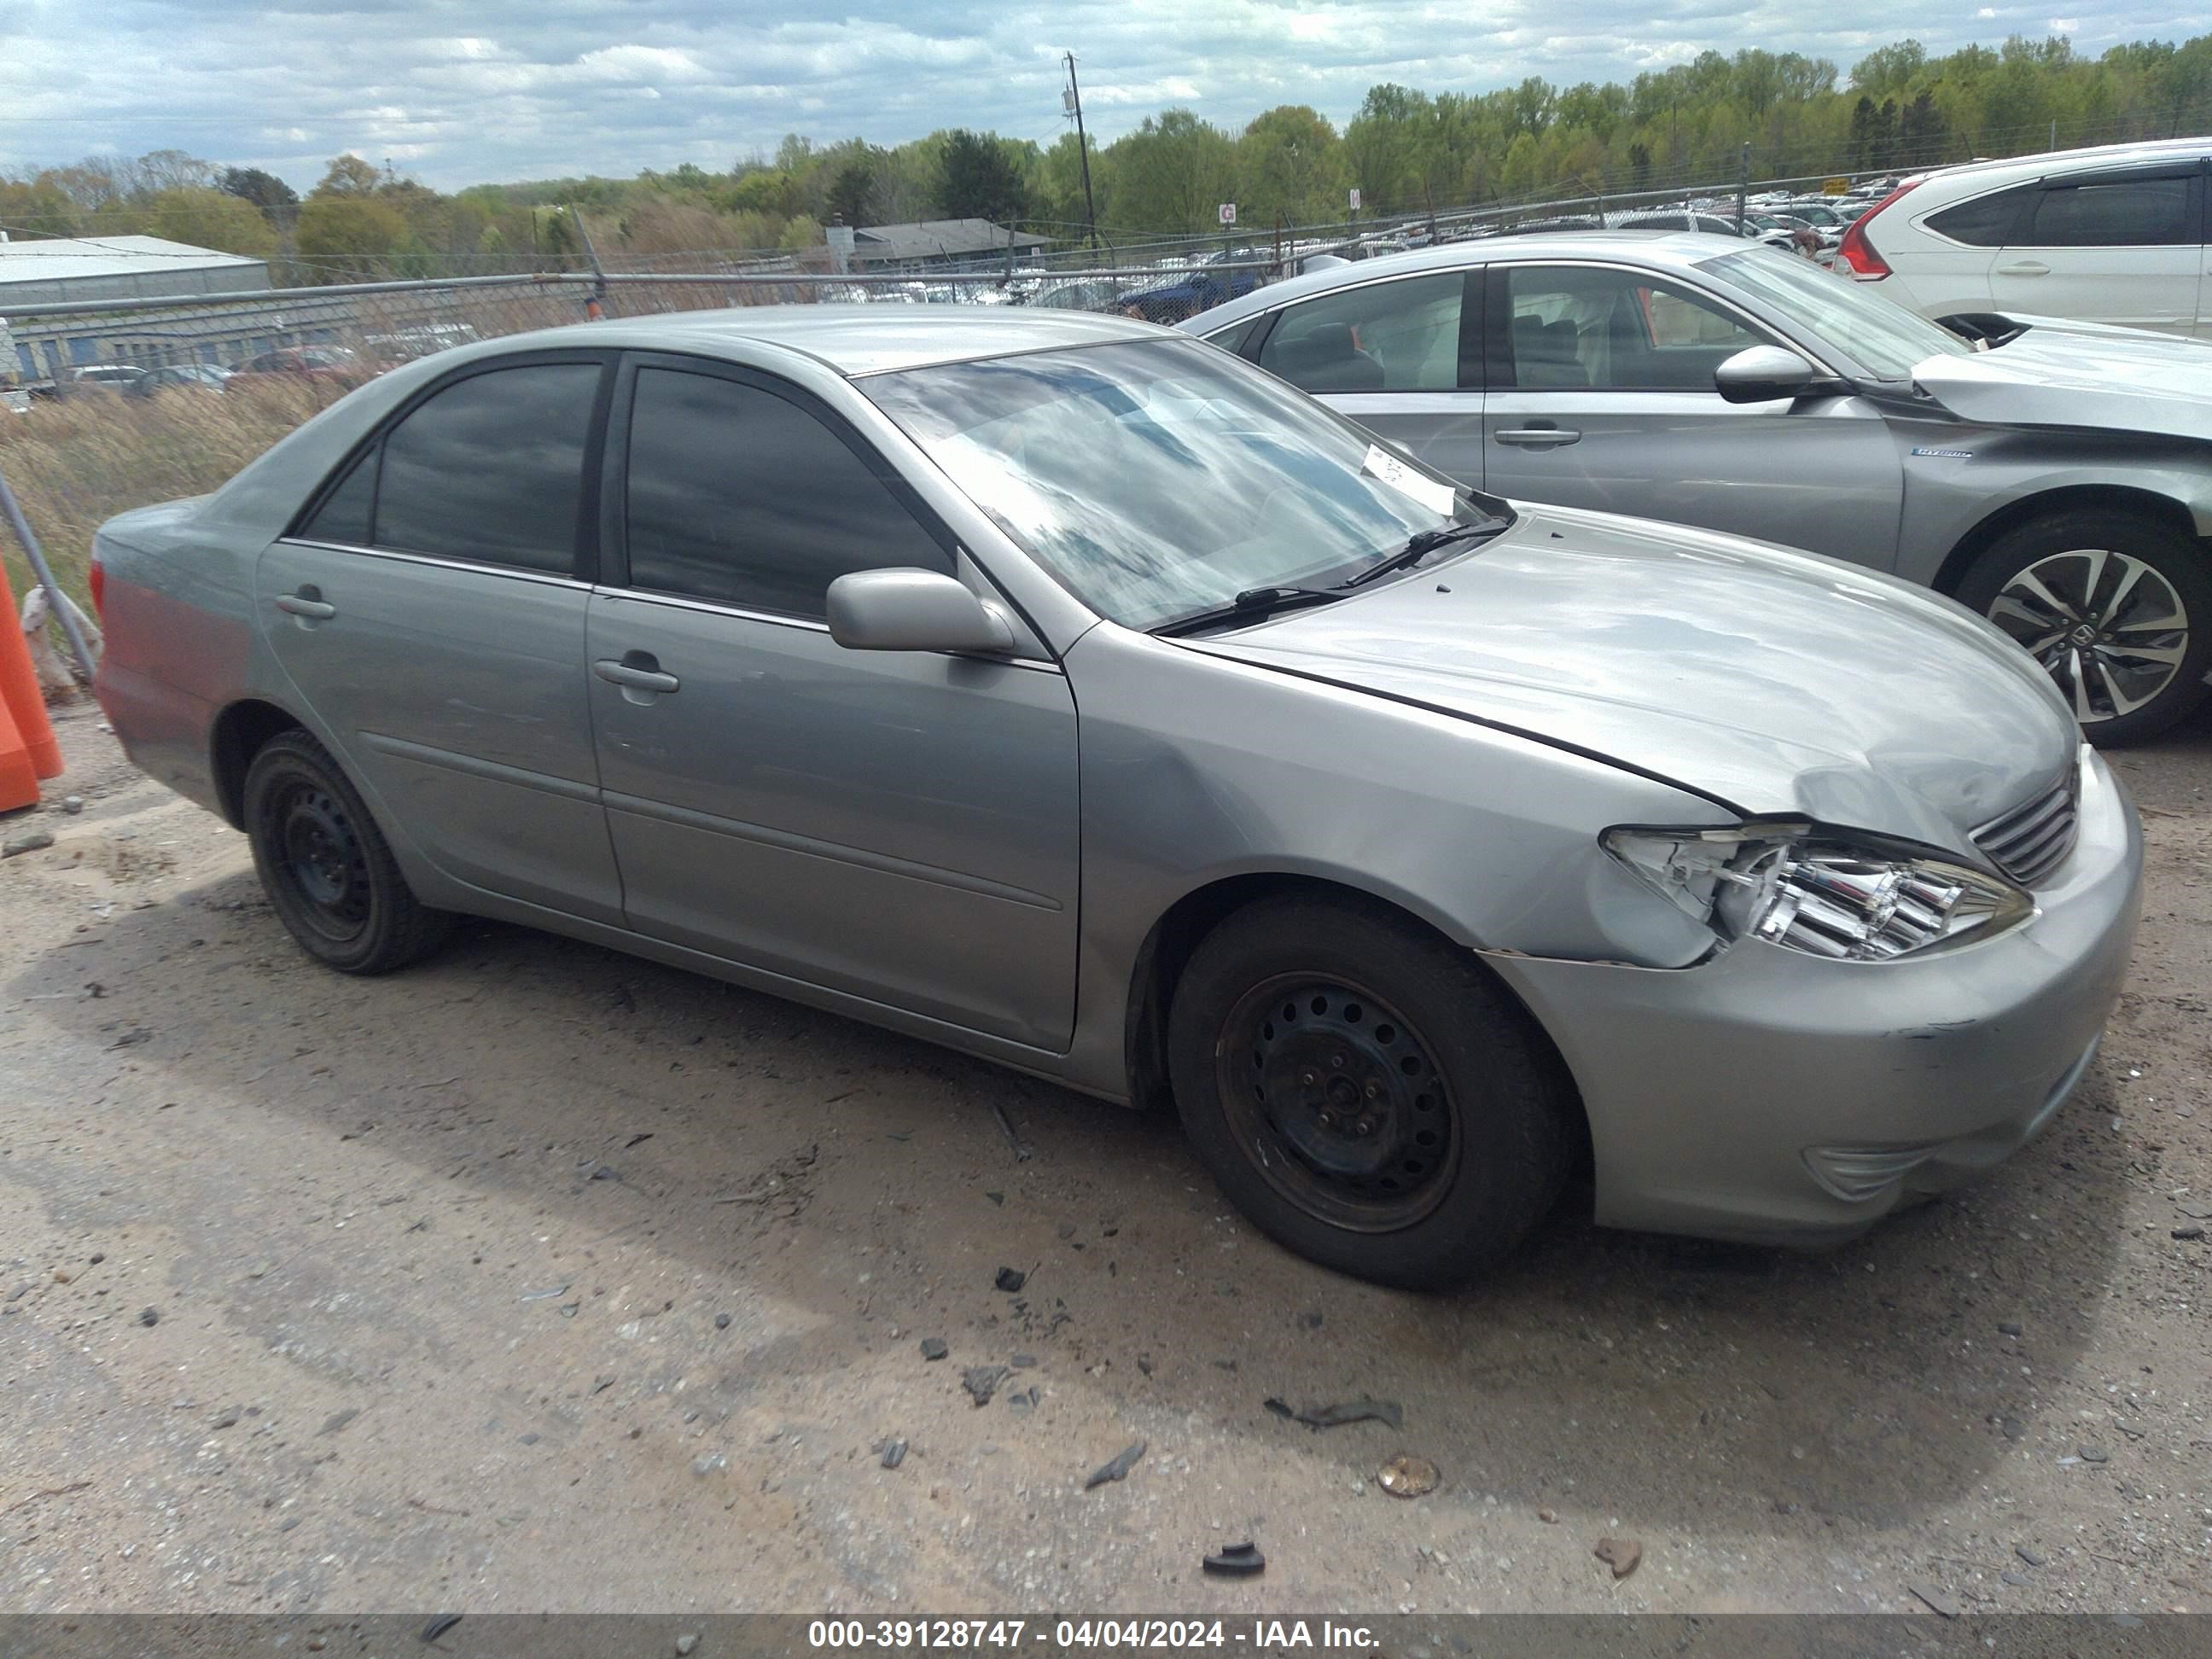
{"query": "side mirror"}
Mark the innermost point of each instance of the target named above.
(1764, 373)
(913, 611)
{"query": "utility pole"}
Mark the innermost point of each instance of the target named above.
(1742, 183)
(1082, 151)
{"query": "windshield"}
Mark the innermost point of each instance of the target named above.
(1158, 479)
(1881, 337)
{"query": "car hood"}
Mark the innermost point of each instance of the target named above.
(2081, 374)
(1770, 681)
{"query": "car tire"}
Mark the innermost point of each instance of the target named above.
(2136, 585)
(327, 868)
(1366, 1093)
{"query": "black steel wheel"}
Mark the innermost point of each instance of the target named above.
(1336, 1092)
(1366, 1092)
(327, 868)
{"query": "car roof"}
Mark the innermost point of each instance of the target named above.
(2067, 160)
(1674, 249)
(852, 339)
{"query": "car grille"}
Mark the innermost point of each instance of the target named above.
(2032, 840)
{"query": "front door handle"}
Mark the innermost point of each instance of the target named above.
(638, 673)
(2025, 268)
(1538, 437)
(308, 603)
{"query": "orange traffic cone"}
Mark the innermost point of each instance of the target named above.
(19, 779)
(26, 732)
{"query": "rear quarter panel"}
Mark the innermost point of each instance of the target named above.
(177, 611)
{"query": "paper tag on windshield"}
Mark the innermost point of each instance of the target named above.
(1380, 464)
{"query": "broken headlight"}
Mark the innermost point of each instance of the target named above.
(1807, 888)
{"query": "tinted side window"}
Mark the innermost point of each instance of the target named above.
(492, 469)
(1581, 326)
(1231, 339)
(1401, 335)
(344, 516)
(1985, 220)
(2125, 213)
(738, 496)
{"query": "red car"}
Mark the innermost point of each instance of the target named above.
(334, 364)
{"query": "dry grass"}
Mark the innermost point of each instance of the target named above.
(75, 463)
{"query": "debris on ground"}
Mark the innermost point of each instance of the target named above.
(894, 1453)
(149, 1315)
(933, 1347)
(439, 1626)
(1935, 1599)
(710, 1462)
(1549, 1517)
(33, 841)
(1408, 1477)
(1362, 1410)
(1011, 1280)
(337, 1420)
(2033, 1558)
(684, 1643)
(72, 804)
(546, 1295)
(1024, 1401)
(1117, 1467)
(721, 1322)
(1623, 1555)
(1006, 1127)
(982, 1381)
(1237, 1561)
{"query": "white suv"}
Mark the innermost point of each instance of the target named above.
(2109, 235)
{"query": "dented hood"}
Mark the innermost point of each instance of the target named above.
(2081, 374)
(1774, 682)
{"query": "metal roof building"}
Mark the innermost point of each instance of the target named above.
(929, 240)
(119, 267)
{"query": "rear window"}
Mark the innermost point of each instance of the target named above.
(1985, 221)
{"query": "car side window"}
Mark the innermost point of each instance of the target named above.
(1983, 221)
(740, 496)
(1231, 339)
(491, 469)
(1615, 330)
(2116, 213)
(345, 515)
(1401, 335)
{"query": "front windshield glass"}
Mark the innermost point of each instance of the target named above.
(1157, 479)
(1881, 337)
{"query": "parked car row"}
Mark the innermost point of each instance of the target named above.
(1095, 701)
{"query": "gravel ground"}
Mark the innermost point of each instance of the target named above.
(540, 1278)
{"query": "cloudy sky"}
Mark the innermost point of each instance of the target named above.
(459, 91)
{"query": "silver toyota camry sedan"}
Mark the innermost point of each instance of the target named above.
(2055, 475)
(1069, 692)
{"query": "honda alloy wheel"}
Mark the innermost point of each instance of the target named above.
(2117, 610)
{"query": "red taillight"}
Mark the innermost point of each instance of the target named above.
(96, 579)
(1857, 253)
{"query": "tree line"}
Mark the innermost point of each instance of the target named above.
(1406, 151)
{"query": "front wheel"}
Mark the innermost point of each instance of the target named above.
(327, 868)
(1365, 1093)
(2116, 608)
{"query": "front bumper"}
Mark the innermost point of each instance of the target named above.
(1775, 1097)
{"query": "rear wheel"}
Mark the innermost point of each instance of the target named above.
(1365, 1093)
(2116, 608)
(327, 868)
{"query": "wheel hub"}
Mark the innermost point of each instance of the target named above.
(323, 857)
(2104, 625)
(1348, 1115)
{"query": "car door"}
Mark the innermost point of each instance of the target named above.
(429, 608)
(897, 826)
(1400, 356)
(1601, 395)
(2124, 248)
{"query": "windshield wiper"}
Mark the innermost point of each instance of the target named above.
(1250, 605)
(1423, 543)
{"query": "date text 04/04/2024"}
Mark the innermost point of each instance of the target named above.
(1258, 1635)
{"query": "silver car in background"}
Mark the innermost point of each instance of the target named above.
(1068, 692)
(2056, 478)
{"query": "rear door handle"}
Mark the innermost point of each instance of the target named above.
(1538, 437)
(638, 671)
(308, 601)
(2025, 268)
